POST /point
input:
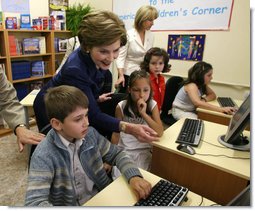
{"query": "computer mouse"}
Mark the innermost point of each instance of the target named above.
(186, 148)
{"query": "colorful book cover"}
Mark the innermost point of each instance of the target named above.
(11, 23)
(37, 24)
(31, 46)
(45, 22)
(37, 68)
(25, 21)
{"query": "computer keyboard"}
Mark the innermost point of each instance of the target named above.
(165, 193)
(191, 132)
(226, 102)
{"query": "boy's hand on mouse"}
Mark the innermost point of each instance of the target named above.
(141, 187)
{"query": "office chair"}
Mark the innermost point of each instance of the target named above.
(173, 85)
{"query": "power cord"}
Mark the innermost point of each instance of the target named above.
(214, 144)
(223, 156)
(202, 200)
(220, 155)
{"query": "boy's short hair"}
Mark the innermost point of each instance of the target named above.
(62, 100)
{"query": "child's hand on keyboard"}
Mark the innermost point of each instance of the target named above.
(229, 110)
(141, 187)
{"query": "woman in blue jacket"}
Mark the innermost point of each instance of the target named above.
(101, 34)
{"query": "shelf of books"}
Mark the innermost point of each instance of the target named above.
(31, 57)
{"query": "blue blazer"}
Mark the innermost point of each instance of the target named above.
(80, 71)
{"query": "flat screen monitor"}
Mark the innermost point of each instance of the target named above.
(242, 199)
(240, 120)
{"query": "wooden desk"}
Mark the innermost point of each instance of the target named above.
(119, 193)
(214, 116)
(28, 102)
(217, 178)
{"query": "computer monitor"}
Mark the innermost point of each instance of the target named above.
(242, 199)
(234, 138)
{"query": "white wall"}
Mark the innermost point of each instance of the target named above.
(227, 51)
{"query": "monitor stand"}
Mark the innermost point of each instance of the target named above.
(243, 143)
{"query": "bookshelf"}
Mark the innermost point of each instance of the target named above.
(51, 57)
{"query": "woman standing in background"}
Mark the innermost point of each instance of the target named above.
(140, 40)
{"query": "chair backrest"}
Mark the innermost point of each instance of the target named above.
(172, 87)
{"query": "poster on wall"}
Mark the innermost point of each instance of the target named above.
(180, 14)
(58, 4)
(15, 6)
(186, 47)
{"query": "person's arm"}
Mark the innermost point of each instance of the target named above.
(116, 136)
(121, 78)
(120, 63)
(192, 91)
(14, 114)
(10, 107)
(210, 94)
(153, 121)
(142, 132)
(115, 156)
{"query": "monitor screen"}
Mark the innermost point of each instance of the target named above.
(242, 199)
(234, 138)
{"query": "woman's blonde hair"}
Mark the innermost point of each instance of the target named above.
(99, 28)
(144, 13)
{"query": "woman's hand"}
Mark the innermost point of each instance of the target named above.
(142, 132)
(229, 110)
(104, 97)
(120, 81)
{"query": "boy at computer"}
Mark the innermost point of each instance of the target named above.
(67, 167)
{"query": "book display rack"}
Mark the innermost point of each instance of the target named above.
(15, 54)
